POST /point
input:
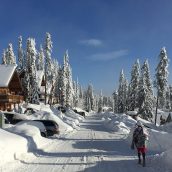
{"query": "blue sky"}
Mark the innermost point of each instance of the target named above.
(102, 36)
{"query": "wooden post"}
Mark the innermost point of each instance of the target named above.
(1, 120)
(45, 86)
(156, 112)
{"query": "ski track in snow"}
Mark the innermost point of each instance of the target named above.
(92, 148)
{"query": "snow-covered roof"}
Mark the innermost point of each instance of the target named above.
(6, 73)
(39, 77)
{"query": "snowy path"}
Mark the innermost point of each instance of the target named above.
(90, 149)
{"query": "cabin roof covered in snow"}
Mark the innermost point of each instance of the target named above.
(6, 73)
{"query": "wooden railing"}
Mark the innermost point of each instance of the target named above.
(11, 98)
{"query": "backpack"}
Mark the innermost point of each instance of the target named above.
(139, 137)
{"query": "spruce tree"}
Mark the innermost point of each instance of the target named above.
(69, 88)
(134, 84)
(115, 98)
(100, 102)
(34, 96)
(122, 93)
(40, 59)
(4, 59)
(10, 55)
(90, 96)
(6, 55)
(47, 68)
(167, 103)
(145, 94)
(63, 87)
(170, 90)
(161, 79)
(20, 54)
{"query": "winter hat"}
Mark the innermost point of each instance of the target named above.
(139, 123)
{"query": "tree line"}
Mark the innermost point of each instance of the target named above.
(141, 93)
(59, 86)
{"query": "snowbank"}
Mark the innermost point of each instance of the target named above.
(118, 122)
(57, 118)
(25, 136)
(31, 131)
(70, 113)
(81, 110)
(50, 113)
(159, 141)
(67, 122)
(70, 117)
(10, 145)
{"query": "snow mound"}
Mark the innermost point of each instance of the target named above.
(50, 113)
(31, 131)
(69, 117)
(50, 116)
(11, 145)
(70, 113)
(118, 122)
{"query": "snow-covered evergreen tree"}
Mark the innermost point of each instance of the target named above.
(88, 104)
(6, 55)
(111, 103)
(134, 84)
(145, 94)
(63, 87)
(4, 59)
(74, 95)
(40, 59)
(115, 98)
(54, 81)
(67, 81)
(30, 82)
(69, 88)
(76, 92)
(161, 80)
(161, 77)
(168, 103)
(96, 103)
(80, 92)
(31, 53)
(100, 103)
(170, 90)
(59, 88)
(47, 68)
(122, 93)
(89, 98)
(10, 55)
(27, 81)
(20, 54)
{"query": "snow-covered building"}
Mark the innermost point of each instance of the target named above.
(10, 87)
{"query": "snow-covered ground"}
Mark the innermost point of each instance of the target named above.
(25, 136)
(101, 142)
(160, 138)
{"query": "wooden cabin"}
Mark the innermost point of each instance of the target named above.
(11, 92)
(40, 78)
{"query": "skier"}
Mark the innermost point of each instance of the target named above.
(139, 140)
